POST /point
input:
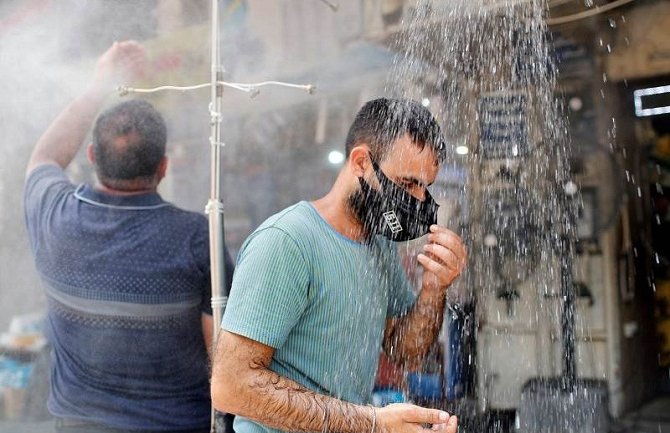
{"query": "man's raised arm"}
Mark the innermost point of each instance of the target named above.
(61, 141)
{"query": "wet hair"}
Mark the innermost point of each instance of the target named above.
(383, 121)
(129, 141)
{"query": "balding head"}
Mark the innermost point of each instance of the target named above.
(129, 143)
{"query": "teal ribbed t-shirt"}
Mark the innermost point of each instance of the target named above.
(320, 299)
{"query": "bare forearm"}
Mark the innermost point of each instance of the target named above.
(62, 140)
(443, 259)
(286, 405)
(413, 334)
(243, 384)
(207, 332)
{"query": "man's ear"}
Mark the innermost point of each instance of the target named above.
(359, 160)
(90, 154)
(162, 169)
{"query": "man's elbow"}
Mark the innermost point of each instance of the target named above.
(35, 162)
(238, 362)
(224, 397)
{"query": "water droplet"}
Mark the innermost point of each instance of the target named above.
(612, 23)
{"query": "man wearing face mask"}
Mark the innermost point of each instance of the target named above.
(319, 289)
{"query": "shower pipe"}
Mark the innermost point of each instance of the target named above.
(586, 14)
(243, 87)
(510, 3)
(214, 207)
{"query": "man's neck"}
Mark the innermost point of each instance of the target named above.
(136, 190)
(334, 209)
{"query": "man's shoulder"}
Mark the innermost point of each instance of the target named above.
(297, 221)
(45, 185)
(45, 175)
(295, 224)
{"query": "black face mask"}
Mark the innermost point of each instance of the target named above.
(393, 212)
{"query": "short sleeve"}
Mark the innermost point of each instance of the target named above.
(44, 187)
(269, 290)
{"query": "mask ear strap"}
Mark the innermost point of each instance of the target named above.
(378, 171)
(375, 167)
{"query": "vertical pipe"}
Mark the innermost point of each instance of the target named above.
(568, 297)
(613, 324)
(214, 206)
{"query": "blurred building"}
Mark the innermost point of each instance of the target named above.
(278, 146)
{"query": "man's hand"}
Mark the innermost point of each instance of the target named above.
(443, 259)
(403, 417)
(407, 339)
(123, 61)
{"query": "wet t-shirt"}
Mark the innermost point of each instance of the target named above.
(319, 299)
(126, 279)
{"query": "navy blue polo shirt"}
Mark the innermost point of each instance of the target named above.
(126, 279)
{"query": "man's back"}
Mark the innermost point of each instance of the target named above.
(127, 279)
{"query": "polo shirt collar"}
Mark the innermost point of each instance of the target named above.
(150, 200)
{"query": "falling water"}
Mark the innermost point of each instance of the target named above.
(484, 67)
(488, 67)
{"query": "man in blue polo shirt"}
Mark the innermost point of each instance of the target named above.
(126, 274)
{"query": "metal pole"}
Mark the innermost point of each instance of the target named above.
(214, 206)
(568, 316)
(568, 289)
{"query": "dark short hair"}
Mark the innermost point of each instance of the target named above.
(382, 121)
(129, 141)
